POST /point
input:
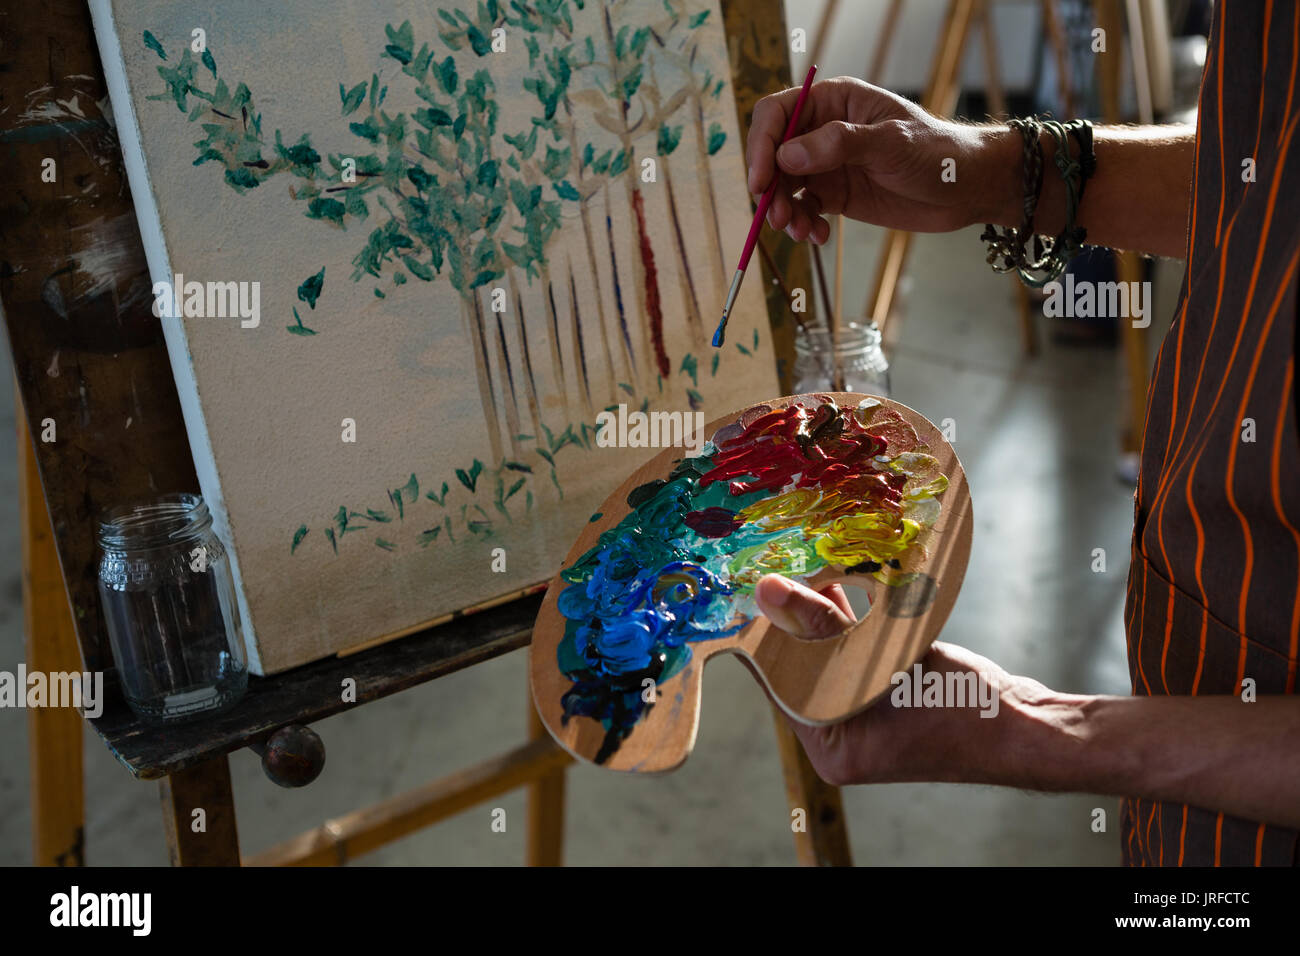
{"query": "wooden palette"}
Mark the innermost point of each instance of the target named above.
(816, 682)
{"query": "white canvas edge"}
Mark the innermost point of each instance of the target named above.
(159, 260)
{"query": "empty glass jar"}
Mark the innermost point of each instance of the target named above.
(170, 607)
(858, 354)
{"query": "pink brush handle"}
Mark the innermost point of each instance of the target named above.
(763, 203)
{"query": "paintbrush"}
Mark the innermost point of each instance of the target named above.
(761, 214)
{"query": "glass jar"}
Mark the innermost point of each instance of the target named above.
(860, 359)
(171, 610)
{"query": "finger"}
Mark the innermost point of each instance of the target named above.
(799, 610)
(826, 148)
(767, 126)
(806, 221)
(781, 210)
(838, 596)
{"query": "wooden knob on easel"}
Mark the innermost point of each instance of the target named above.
(293, 756)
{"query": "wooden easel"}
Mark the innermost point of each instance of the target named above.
(940, 97)
(90, 363)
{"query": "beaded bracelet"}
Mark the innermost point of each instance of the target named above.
(1046, 258)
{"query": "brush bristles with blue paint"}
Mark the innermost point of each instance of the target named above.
(760, 215)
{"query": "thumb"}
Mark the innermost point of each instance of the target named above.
(826, 148)
(799, 610)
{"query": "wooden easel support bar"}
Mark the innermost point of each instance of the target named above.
(345, 838)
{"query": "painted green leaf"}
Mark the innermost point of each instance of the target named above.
(427, 538)
(324, 208)
(297, 538)
(447, 75)
(514, 488)
(309, 290)
(478, 42)
(385, 544)
(300, 330)
(419, 269)
(556, 163)
(691, 367)
(699, 18)
(381, 516)
(329, 534)
(565, 190)
(487, 174)
(352, 98)
(242, 178)
(458, 127)
(716, 137)
(669, 137)
(431, 118)
(465, 479)
(152, 43)
(367, 130)
(210, 63)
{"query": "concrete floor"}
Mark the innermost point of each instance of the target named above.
(1038, 438)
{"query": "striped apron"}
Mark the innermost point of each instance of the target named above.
(1214, 584)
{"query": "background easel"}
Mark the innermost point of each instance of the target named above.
(89, 355)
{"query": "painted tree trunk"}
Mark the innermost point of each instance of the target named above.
(635, 373)
(552, 324)
(469, 314)
(690, 299)
(509, 400)
(530, 381)
(655, 315)
(710, 207)
(579, 343)
(575, 372)
(600, 299)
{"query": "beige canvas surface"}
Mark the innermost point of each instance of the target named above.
(338, 542)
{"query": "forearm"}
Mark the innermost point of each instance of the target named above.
(1219, 753)
(1138, 198)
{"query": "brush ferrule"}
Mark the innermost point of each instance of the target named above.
(733, 292)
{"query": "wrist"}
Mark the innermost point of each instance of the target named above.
(1001, 198)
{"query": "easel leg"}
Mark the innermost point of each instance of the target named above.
(545, 807)
(194, 838)
(824, 841)
(54, 733)
(940, 98)
(1137, 364)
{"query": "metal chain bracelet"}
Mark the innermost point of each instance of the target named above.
(1046, 258)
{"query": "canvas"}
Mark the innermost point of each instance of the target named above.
(405, 256)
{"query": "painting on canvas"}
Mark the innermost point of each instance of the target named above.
(434, 278)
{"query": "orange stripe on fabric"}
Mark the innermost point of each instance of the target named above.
(1182, 837)
(1263, 85)
(1161, 827)
(1141, 622)
(1170, 466)
(1247, 538)
(1275, 479)
(1218, 840)
(1259, 844)
(1223, 169)
(1295, 50)
(1223, 380)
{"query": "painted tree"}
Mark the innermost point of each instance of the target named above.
(679, 41)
